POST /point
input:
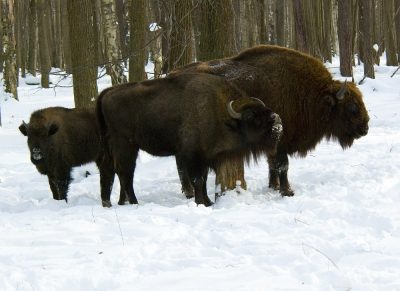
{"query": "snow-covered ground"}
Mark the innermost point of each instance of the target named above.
(341, 231)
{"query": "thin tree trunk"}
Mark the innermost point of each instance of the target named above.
(33, 37)
(10, 61)
(44, 50)
(112, 48)
(397, 20)
(280, 22)
(66, 46)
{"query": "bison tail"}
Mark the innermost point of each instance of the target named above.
(102, 126)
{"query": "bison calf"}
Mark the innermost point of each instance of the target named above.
(61, 138)
(200, 118)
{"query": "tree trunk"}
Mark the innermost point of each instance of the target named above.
(66, 46)
(345, 29)
(389, 32)
(299, 21)
(216, 30)
(33, 36)
(280, 22)
(10, 61)
(397, 21)
(112, 47)
(180, 52)
(137, 58)
(44, 50)
(84, 69)
(365, 25)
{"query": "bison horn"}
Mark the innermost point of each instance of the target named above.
(24, 124)
(258, 100)
(342, 91)
(232, 112)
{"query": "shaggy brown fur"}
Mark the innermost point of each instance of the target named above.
(61, 138)
(186, 116)
(301, 90)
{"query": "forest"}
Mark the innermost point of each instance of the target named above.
(90, 38)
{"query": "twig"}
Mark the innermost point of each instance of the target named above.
(318, 251)
(394, 73)
(120, 230)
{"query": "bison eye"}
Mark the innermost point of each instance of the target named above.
(353, 108)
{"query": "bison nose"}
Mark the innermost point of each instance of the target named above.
(277, 125)
(36, 154)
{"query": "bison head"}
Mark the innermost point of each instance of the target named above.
(256, 122)
(38, 139)
(348, 116)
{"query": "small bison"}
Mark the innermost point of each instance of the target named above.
(200, 118)
(301, 90)
(61, 138)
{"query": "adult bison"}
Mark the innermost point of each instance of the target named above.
(200, 118)
(301, 90)
(59, 139)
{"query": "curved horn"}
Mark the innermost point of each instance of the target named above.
(342, 91)
(258, 100)
(233, 113)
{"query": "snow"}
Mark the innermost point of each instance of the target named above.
(341, 231)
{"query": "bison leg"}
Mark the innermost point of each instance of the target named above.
(125, 164)
(59, 187)
(278, 169)
(186, 183)
(107, 174)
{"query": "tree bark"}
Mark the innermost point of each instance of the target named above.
(180, 52)
(84, 68)
(112, 47)
(44, 49)
(345, 31)
(33, 37)
(397, 21)
(299, 21)
(365, 25)
(137, 58)
(9, 46)
(389, 33)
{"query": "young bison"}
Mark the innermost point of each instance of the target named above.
(200, 118)
(61, 138)
(301, 90)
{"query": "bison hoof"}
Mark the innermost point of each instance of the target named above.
(189, 195)
(133, 200)
(275, 187)
(287, 192)
(106, 203)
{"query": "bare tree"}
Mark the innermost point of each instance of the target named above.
(137, 58)
(84, 68)
(9, 44)
(180, 50)
(345, 31)
(300, 27)
(112, 47)
(365, 35)
(44, 49)
(389, 33)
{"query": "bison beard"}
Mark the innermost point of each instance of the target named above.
(200, 118)
(301, 90)
(61, 138)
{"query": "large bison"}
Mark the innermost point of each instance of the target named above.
(301, 90)
(59, 139)
(200, 118)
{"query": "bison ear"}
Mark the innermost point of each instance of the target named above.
(23, 128)
(53, 129)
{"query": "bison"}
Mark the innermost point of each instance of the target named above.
(200, 118)
(301, 90)
(61, 138)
